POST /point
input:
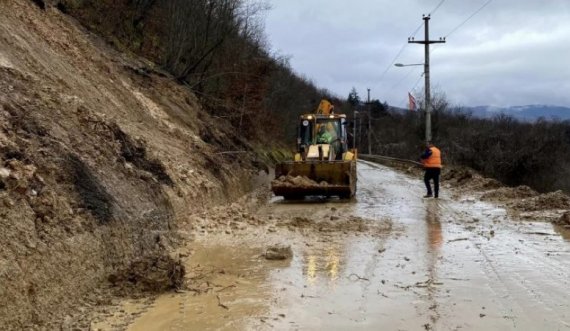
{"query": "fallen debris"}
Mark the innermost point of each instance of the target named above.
(508, 193)
(157, 273)
(552, 200)
(457, 175)
(351, 224)
(564, 220)
(278, 252)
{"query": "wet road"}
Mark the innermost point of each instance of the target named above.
(444, 265)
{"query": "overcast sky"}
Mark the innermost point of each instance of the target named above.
(513, 52)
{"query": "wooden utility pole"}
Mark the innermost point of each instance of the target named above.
(427, 42)
(354, 128)
(369, 125)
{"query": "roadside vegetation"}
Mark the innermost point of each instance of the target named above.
(215, 48)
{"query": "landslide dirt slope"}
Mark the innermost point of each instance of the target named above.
(101, 156)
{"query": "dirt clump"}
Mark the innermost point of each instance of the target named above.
(234, 217)
(552, 200)
(278, 252)
(355, 224)
(509, 193)
(485, 183)
(457, 174)
(155, 274)
(300, 222)
(564, 220)
(469, 177)
(338, 224)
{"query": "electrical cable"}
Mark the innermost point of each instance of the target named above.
(454, 30)
(468, 18)
(436, 8)
(433, 11)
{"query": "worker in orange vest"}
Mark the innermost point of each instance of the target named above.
(431, 159)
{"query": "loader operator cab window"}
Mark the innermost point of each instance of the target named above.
(328, 131)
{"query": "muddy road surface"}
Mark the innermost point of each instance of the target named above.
(389, 260)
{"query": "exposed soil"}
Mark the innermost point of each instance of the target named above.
(509, 193)
(521, 200)
(155, 274)
(337, 222)
(552, 200)
(564, 220)
(102, 157)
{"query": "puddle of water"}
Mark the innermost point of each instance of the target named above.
(237, 289)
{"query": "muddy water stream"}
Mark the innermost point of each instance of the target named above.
(443, 265)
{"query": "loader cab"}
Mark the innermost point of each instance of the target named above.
(325, 131)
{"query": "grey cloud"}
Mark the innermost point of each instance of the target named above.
(513, 52)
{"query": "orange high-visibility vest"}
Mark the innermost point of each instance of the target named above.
(434, 161)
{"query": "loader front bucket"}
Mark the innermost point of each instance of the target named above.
(295, 180)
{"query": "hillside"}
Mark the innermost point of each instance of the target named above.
(525, 113)
(101, 156)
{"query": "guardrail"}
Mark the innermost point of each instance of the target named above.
(369, 157)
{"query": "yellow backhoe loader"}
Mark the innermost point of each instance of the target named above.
(323, 164)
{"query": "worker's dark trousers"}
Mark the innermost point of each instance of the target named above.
(432, 173)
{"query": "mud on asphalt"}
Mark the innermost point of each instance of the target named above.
(388, 260)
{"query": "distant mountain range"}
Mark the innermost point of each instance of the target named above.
(525, 113)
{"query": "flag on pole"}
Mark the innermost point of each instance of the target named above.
(412, 102)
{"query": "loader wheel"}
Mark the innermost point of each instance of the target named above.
(347, 196)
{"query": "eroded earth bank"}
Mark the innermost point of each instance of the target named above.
(102, 156)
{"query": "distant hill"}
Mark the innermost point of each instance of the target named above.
(525, 113)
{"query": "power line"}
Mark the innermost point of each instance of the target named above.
(436, 47)
(470, 17)
(393, 61)
(437, 7)
(450, 33)
(433, 11)
(402, 79)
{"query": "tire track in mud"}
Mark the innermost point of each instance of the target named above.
(525, 278)
(528, 284)
(520, 283)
